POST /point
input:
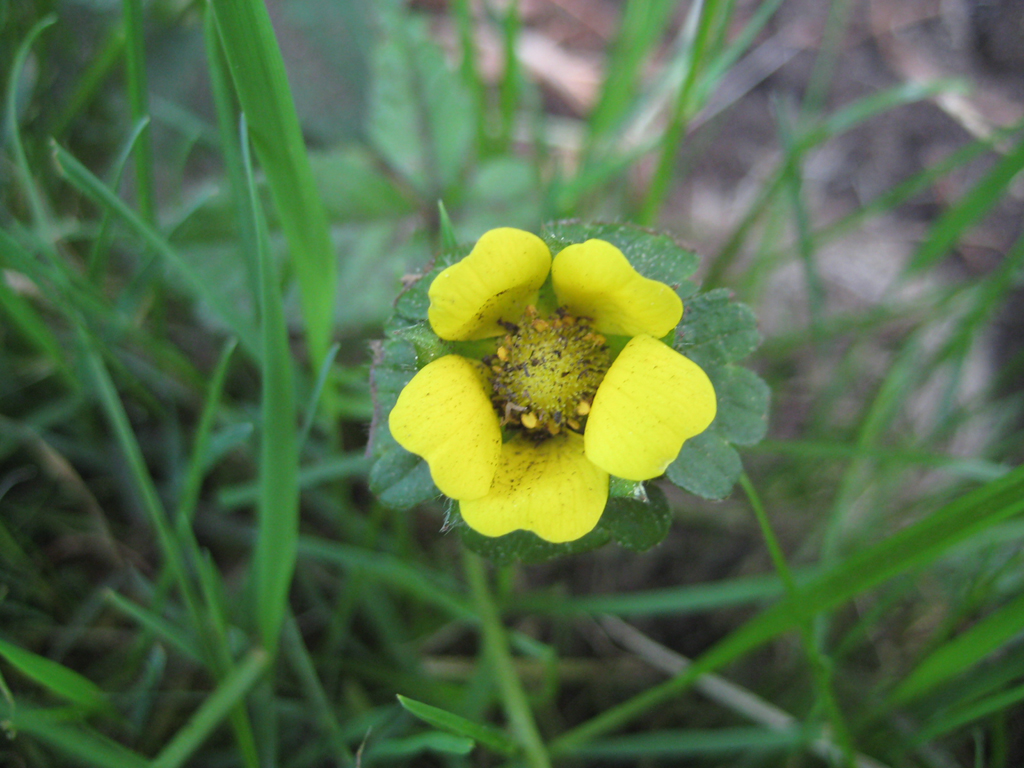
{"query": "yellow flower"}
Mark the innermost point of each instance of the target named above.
(572, 415)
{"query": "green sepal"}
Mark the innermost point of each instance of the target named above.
(412, 304)
(654, 255)
(524, 546)
(428, 345)
(619, 486)
(638, 523)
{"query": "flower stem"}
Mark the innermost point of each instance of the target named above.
(820, 666)
(496, 648)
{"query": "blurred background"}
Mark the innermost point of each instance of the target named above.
(185, 350)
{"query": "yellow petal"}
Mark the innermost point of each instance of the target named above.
(549, 488)
(445, 415)
(593, 279)
(651, 400)
(496, 281)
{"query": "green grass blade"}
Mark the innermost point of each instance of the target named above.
(499, 657)
(658, 602)
(794, 187)
(486, 735)
(24, 317)
(449, 240)
(947, 231)
(227, 128)
(463, 13)
(261, 83)
(734, 49)
(689, 743)
(643, 24)
(352, 464)
(960, 716)
(86, 182)
(304, 665)
(830, 127)
(962, 652)
(81, 743)
(55, 677)
(35, 200)
(213, 711)
(819, 663)
(414, 581)
(198, 463)
(912, 547)
(212, 589)
(107, 55)
(100, 250)
(314, 396)
(511, 81)
(702, 18)
(138, 102)
(968, 468)
(278, 505)
(140, 475)
(158, 626)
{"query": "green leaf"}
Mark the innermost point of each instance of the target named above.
(421, 115)
(524, 546)
(487, 735)
(743, 400)
(707, 466)
(655, 256)
(55, 677)
(354, 188)
(716, 330)
(637, 523)
(394, 365)
(502, 191)
(402, 480)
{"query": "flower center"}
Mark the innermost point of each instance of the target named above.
(547, 372)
